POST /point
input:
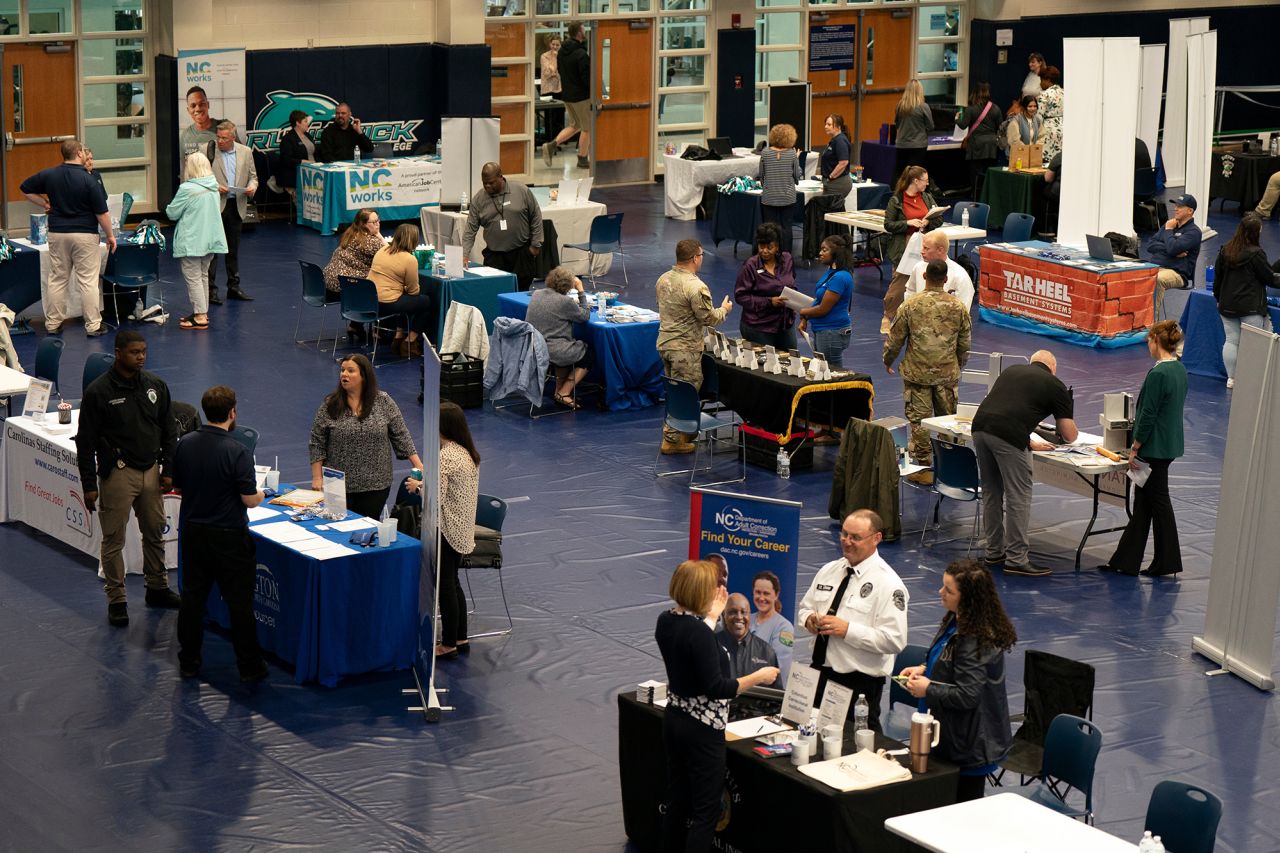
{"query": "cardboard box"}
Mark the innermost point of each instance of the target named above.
(1031, 156)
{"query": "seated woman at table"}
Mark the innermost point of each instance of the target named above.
(394, 272)
(1025, 124)
(779, 171)
(904, 215)
(698, 696)
(296, 148)
(354, 431)
(353, 257)
(459, 493)
(766, 320)
(962, 681)
(553, 313)
(1242, 276)
(769, 624)
(829, 314)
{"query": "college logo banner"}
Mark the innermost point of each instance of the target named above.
(272, 121)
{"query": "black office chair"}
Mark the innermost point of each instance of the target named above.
(1146, 215)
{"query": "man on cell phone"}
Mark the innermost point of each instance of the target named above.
(342, 136)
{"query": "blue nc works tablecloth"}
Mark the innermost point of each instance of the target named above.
(331, 182)
(626, 355)
(338, 617)
(1201, 323)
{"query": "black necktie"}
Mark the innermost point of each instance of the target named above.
(820, 644)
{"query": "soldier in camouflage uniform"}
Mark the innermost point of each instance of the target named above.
(685, 312)
(935, 328)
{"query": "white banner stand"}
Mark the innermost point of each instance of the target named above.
(1150, 97)
(468, 143)
(1244, 587)
(1202, 78)
(1175, 100)
(1099, 124)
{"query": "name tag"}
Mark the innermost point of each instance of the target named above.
(118, 401)
(822, 587)
(502, 226)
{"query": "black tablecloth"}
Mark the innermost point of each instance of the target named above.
(736, 217)
(769, 401)
(1241, 178)
(770, 805)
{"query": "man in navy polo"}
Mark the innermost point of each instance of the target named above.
(1176, 247)
(214, 473)
(76, 204)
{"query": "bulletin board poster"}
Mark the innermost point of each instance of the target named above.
(211, 87)
(831, 47)
(750, 535)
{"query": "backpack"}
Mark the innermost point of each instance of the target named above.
(697, 152)
(970, 270)
(1122, 246)
(1002, 135)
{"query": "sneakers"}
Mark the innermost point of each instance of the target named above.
(1028, 570)
(584, 163)
(922, 478)
(1231, 383)
(549, 150)
(671, 448)
(118, 614)
(165, 598)
(96, 333)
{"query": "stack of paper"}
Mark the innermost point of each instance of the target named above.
(303, 541)
(651, 691)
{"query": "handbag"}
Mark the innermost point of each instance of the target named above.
(964, 143)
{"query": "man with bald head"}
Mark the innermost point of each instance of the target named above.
(512, 223)
(1023, 396)
(342, 136)
(747, 652)
(934, 247)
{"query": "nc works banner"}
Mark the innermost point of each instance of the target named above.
(751, 534)
(218, 80)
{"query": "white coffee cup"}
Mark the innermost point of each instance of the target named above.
(836, 731)
(865, 739)
(386, 532)
(800, 752)
(831, 747)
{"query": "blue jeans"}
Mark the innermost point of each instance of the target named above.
(832, 343)
(1231, 325)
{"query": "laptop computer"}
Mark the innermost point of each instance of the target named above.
(1099, 248)
(722, 146)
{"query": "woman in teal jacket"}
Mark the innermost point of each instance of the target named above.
(1157, 441)
(199, 235)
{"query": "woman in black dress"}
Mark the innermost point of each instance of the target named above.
(982, 118)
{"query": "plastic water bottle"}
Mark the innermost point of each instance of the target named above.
(1275, 145)
(1208, 278)
(964, 218)
(784, 464)
(860, 713)
(438, 144)
(1147, 842)
(463, 205)
(1156, 845)
(355, 155)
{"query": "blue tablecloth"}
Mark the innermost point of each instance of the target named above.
(330, 194)
(1201, 323)
(482, 291)
(331, 618)
(20, 279)
(627, 359)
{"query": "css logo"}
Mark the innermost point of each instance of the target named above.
(77, 515)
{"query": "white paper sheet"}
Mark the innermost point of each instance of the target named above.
(261, 513)
(486, 271)
(797, 701)
(351, 524)
(795, 299)
(836, 700)
(1140, 474)
(283, 532)
(754, 727)
(453, 261)
(334, 550)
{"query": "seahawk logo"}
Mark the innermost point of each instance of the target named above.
(273, 120)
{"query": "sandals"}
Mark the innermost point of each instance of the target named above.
(567, 402)
(190, 322)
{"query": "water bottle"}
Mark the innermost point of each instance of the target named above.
(1156, 845)
(784, 464)
(964, 218)
(1145, 845)
(602, 302)
(1208, 278)
(355, 155)
(438, 145)
(1275, 145)
(860, 713)
(463, 204)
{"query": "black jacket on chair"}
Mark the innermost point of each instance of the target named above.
(866, 476)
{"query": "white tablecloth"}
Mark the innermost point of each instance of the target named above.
(683, 180)
(40, 486)
(572, 221)
(74, 306)
(1003, 823)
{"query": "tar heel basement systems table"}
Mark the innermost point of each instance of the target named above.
(331, 616)
(1003, 823)
(330, 194)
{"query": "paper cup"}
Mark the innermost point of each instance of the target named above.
(386, 532)
(800, 752)
(835, 731)
(273, 480)
(865, 739)
(831, 747)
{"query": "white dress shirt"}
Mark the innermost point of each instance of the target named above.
(874, 605)
(958, 283)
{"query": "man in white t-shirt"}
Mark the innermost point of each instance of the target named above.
(935, 248)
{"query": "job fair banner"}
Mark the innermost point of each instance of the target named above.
(220, 73)
(751, 535)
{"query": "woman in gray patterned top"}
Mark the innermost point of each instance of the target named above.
(354, 431)
(459, 493)
(779, 171)
(553, 312)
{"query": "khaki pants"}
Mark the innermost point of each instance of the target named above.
(920, 402)
(1269, 197)
(1166, 280)
(686, 366)
(894, 296)
(73, 258)
(124, 489)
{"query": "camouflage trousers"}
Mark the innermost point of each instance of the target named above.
(687, 366)
(920, 402)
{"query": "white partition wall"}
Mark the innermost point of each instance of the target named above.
(1100, 122)
(1175, 101)
(1150, 96)
(469, 142)
(1202, 81)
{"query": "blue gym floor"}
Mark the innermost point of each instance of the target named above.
(103, 747)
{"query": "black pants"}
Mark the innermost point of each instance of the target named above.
(1152, 508)
(225, 556)
(871, 686)
(416, 310)
(231, 226)
(368, 504)
(695, 778)
(453, 601)
(783, 217)
(516, 261)
(970, 788)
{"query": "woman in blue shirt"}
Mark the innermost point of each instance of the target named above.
(962, 679)
(828, 316)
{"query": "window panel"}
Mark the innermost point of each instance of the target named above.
(936, 57)
(683, 33)
(49, 16)
(505, 8)
(777, 66)
(114, 100)
(122, 179)
(778, 28)
(626, 7)
(680, 5)
(10, 18)
(117, 142)
(589, 7)
(938, 21)
(684, 70)
(111, 57)
(942, 90)
(560, 8)
(762, 105)
(110, 16)
(682, 108)
(677, 138)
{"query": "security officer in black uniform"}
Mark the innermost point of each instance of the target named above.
(125, 452)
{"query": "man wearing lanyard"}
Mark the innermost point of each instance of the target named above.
(857, 607)
(512, 223)
(233, 167)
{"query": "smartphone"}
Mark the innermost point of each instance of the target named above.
(901, 680)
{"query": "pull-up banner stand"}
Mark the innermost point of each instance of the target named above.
(1202, 80)
(1150, 96)
(424, 668)
(467, 143)
(1175, 100)
(789, 104)
(1244, 586)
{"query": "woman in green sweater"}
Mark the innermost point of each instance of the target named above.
(1157, 441)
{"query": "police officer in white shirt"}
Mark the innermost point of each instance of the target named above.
(857, 607)
(934, 247)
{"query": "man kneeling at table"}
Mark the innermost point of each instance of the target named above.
(747, 652)
(934, 247)
(1176, 247)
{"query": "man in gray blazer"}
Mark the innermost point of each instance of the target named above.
(237, 179)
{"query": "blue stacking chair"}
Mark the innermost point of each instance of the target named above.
(606, 237)
(95, 364)
(1017, 227)
(684, 413)
(313, 295)
(1184, 816)
(359, 304)
(955, 476)
(491, 512)
(132, 268)
(48, 360)
(978, 213)
(248, 436)
(1071, 750)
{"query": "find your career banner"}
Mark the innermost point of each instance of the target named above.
(751, 534)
